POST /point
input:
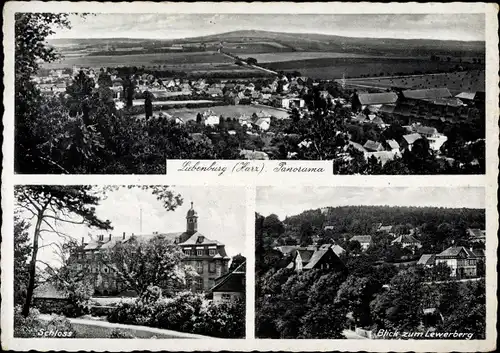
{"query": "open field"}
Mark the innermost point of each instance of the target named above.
(227, 111)
(333, 68)
(167, 60)
(308, 55)
(456, 82)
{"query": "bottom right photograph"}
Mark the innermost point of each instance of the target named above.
(370, 263)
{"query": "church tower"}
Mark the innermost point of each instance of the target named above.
(191, 221)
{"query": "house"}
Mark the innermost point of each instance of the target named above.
(373, 101)
(426, 94)
(407, 240)
(409, 140)
(393, 145)
(207, 256)
(364, 240)
(476, 235)
(425, 131)
(231, 286)
(387, 229)
(466, 97)
(337, 249)
(308, 258)
(49, 298)
(257, 155)
(373, 146)
(437, 141)
(427, 260)
(214, 91)
(383, 156)
(263, 123)
(290, 103)
(462, 261)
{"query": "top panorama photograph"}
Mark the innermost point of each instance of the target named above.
(373, 93)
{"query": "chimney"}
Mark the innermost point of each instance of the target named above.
(123, 237)
(110, 237)
(83, 240)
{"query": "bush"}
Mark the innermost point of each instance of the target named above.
(180, 313)
(32, 327)
(117, 333)
(225, 320)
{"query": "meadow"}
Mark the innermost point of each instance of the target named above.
(456, 82)
(333, 68)
(307, 55)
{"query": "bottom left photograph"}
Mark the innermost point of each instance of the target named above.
(129, 261)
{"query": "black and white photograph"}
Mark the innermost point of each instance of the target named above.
(391, 263)
(120, 93)
(129, 262)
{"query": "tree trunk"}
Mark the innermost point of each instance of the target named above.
(32, 267)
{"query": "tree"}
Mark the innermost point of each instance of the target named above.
(273, 226)
(22, 251)
(155, 262)
(50, 205)
(251, 61)
(236, 261)
(306, 233)
(31, 31)
(355, 294)
(148, 104)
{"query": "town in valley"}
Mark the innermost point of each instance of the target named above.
(371, 105)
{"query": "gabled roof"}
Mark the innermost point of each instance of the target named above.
(466, 95)
(454, 251)
(475, 232)
(426, 259)
(406, 238)
(411, 138)
(362, 238)
(316, 256)
(377, 98)
(372, 145)
(425, 130)
(232, 282)
(393, 144)
(286, 249)
(428, 93)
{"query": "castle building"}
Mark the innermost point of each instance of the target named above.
(207, 256)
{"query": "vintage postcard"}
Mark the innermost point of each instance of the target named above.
(250, 176)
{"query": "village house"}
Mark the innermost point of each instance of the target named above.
(231, 286)
(372, 101)
(409, 139)
(364, 240)
(427, 260)
(207, 256)
(461, 261)
(309, 258)
(257, 155)
(393, 146)
(290, 103)
(373, 146)
(476, 235)
(407, 240)
(263, 123)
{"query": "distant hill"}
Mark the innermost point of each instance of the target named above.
(248, 39)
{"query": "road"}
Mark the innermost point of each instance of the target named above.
(229, 55)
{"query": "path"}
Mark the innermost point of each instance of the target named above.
(229, 55)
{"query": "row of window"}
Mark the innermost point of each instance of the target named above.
(212, 267)
(200, 252)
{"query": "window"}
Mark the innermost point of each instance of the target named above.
(199, 252)
(211, 267)
(218, 271)
(187, 252)
(199, 267)
(199, 283)
(226, 296)
(211, 252)
(106, 270)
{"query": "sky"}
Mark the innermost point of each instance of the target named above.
(288, 202)
(173, 26)
(221, 216)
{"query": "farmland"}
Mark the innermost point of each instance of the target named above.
(231, 111)
(195, 63)
(333, 68)
(293, 56)
(456, 82)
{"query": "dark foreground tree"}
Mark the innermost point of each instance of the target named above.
(51, 205)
